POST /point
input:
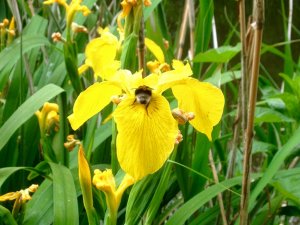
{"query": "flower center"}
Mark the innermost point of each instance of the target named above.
(143, 95)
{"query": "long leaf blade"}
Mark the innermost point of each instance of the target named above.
(26, 110)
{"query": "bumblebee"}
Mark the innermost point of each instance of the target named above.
(143, 95)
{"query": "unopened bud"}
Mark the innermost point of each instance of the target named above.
(56, 37)
(5, 22)
(76, 28)
(71, 142)
(166, 44)
(164, 67)
(178, 115)
(181, 116)
(116, 99)
(147, 2)
(179, 138)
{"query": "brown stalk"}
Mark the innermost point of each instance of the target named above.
(241, 116)
(141, 48)
(191, 13)
(216, 179)
(258, 18)
(183, 29)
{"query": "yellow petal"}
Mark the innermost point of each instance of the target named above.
(105, 181)
(204, 99)
(92, 101)
(175, 76)
(82, 68)
(126, 8)
(9, 196)
(100, 55)
(155, 49)
(146, 135)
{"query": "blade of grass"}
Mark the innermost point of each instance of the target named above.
(39, 209)
(26, 110)
(65, 206)
(187, 210)
(275, 164)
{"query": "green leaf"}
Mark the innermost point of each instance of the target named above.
(65, 207)
(148, 10)
(203, 30)
(219, 55)
(10, 55)
(6, 217)
(6, 172)
(222, 78)
(262, 147)
(267, 115)
(275, 164)
(160, 191)
(101, 134)
(138, 202)
(288, 184)
(187, 209)
(39, 210)
(26, 110)
(128, 56)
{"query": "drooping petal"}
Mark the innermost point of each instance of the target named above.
(91, 101)
(204, 99)
(146, 135)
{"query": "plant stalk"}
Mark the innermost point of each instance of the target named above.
(216, 179)
(240, 119)
(191, 14)
(258, 16)
(141, 48)
(183, 29)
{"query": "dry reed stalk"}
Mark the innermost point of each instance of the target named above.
(216, 179)
(241, 116)
(183, 29)
(258, 18)
(191, 13)
(141, 48)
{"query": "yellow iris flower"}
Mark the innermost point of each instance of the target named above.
(105, 181)
(71, 9)
(146, 128)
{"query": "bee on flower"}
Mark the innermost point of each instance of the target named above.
(146, 127)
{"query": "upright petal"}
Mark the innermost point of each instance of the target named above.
(155, 49)
(173, 77)
(100, 55)
(204, 99)
(91, 101)
(146, 135)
